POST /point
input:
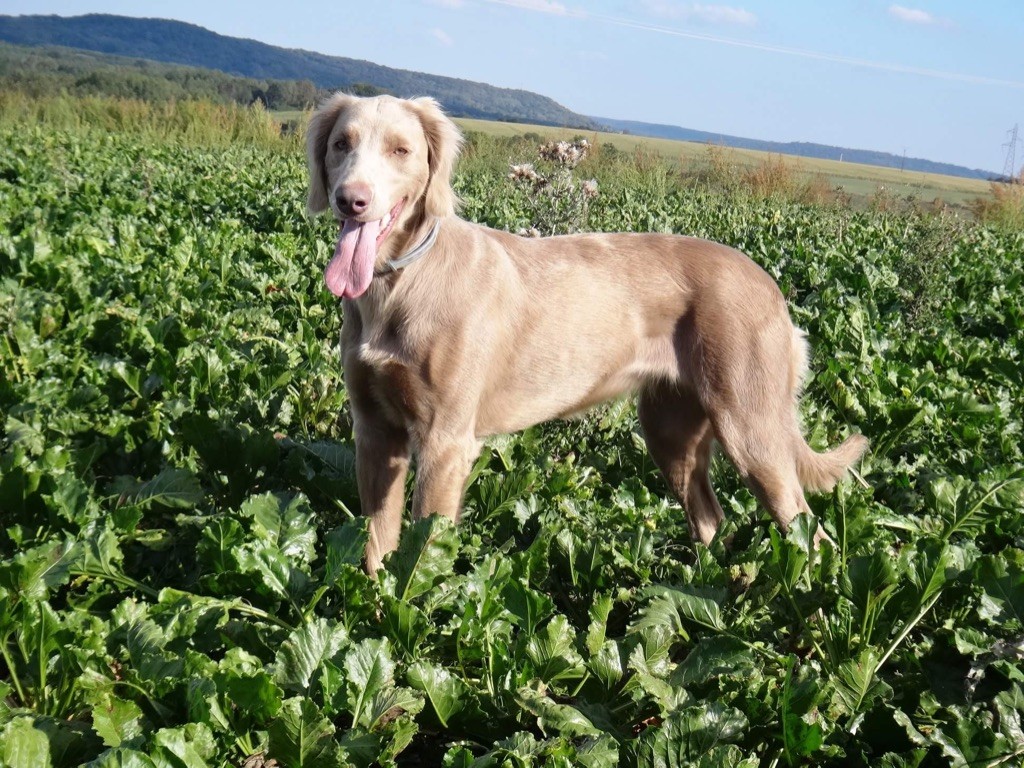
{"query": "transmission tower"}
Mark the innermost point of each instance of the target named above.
(1009, 169)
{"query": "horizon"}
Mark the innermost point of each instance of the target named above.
(935, 81)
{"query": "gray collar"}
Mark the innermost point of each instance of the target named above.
(393, 265)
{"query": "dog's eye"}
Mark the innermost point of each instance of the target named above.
(341, 145)
(401, 151)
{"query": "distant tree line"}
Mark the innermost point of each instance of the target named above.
(51, 70)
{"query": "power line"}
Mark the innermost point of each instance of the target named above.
(1010, 167)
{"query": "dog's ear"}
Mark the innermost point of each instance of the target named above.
(444, 139)
(317, 133)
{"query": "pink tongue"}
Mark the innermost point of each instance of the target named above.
(351, 269)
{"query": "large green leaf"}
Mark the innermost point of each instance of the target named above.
(369, 669)
(714, 657)
(387, 706)
(598, 629)
(405, 624)
(286, 524)
(695, 736)
(928, 570)
(553, 717)
(425, 556)
(802, 732)
(553, 652)
(607, 664)
(301, 737)
(23, 745)
(966, 742)
(1002, 584)
(116, 720)
(345, 546)
(305, 649)
(172, 487)
(856, 684)
(122, 758)
(527, 605)
(789, 559)
(264, 562)
(146, 644)
(448, 694)
(34, 572)
(678, 608)
(190, 746)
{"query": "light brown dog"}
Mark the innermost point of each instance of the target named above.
(490, 333)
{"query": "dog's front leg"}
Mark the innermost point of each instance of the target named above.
(443, 464)
(382, 463)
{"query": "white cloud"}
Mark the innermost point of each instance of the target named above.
(723, 14)
(442, 37)
(708, 14)
(540, 6)
(917, 16)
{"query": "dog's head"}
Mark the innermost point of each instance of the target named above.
(379, 164)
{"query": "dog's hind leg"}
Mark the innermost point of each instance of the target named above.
(767, 464)
(679, 437)
(751, 400)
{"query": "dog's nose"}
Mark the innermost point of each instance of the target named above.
(354, 199)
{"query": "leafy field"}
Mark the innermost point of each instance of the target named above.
(180, 581)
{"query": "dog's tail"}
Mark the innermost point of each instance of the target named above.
(819, 471)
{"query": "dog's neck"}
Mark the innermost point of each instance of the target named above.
(419, 228)
(406, 237)
(412, 255)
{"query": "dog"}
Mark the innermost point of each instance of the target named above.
(453, 332)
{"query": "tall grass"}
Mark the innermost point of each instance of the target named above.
(191, 121)
(1004, 207)
(774, 178)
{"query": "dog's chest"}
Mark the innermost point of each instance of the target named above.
(395, 382)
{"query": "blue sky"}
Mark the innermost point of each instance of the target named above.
(940, 80)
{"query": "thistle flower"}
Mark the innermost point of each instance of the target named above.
(526, 174)
(557, 202)
(569, 154)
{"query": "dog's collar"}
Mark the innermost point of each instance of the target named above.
(393, 265)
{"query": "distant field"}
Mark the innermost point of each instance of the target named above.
(857, 179)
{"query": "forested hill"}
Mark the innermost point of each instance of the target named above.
(181, 43)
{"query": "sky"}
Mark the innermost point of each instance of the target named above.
(941, 80)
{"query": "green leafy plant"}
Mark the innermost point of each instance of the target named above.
(180, 568)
